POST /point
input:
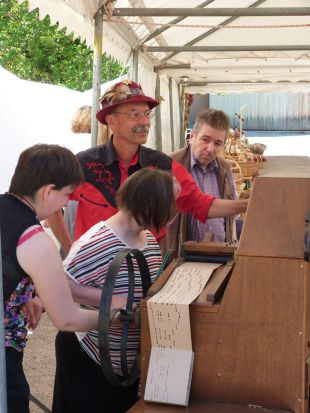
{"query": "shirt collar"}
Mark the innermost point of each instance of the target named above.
(142, 156)
(213, 166)
(111, 152)
(112, 155)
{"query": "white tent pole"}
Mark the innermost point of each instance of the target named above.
(171, 113)
(3, 398)
(135, 64)
(181, 104)
(97, 62)
(158, 137)
(180, 115)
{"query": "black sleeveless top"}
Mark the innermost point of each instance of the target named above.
(15, 218)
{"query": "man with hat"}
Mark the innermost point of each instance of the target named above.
(128, 112)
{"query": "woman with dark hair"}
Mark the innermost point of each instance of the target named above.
(145, 202)
(44, 178)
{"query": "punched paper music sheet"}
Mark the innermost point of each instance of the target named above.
(171, 361)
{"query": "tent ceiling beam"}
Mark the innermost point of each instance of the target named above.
(177, 66)
(209, 32)
(255, 48)
(205, 49)
(148, 22)
(175, 21)
(126, 31)
(210, 11)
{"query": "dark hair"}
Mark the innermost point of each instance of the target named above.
(149, 195)
(217, 119)
(45, 164)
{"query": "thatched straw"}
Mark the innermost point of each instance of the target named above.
(258, 148)
(81, 122)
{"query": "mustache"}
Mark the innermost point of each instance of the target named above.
(142, 128)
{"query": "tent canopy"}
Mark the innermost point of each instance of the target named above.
(207, 46)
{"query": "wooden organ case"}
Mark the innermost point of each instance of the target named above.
(252, 343)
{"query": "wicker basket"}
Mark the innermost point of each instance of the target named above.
(237, 174)
(259, 160)
(248, 168)
(245, 194)
(239, 186)
(235, 167)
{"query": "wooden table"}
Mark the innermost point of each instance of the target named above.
(199, 407)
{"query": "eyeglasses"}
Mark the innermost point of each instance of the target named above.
(136, 115)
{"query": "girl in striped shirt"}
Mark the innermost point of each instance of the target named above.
(145, 202)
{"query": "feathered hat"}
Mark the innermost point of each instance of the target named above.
(122, 92)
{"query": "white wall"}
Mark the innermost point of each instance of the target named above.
(33, 113)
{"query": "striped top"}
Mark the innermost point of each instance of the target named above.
(88, 263)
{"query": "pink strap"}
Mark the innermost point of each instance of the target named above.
(29, 235)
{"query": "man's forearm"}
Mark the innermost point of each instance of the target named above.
(57, 224)
(224, 207)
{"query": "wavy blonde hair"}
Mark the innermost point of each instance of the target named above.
(81, 122)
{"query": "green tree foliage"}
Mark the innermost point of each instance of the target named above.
(34, 49)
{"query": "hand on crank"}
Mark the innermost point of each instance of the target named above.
(118, 304)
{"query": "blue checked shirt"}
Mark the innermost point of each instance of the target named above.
(207, 182)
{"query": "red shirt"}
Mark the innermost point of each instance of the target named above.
(104, 174)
